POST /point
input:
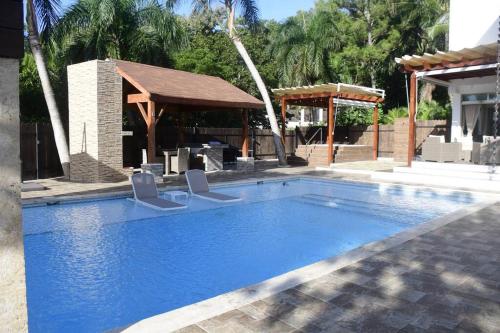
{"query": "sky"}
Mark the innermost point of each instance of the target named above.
(269, 9)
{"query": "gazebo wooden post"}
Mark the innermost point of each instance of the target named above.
(330, 136)
(151, 123)
(375, 132)
(411, 117)
(283, 120)
(244, 134)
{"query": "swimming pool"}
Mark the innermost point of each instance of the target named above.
(97, 265)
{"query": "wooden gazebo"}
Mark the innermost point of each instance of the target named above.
(328, 96)
(158, 90)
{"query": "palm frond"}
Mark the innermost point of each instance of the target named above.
(47, 13)
(249, 11)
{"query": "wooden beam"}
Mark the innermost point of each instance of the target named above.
(311, 95)
(375, 132)
(411, 118)
(326, 95)
(151, 132)
(283, 119)
(162, 111)
(143, 112)
(244, 134)
(137, 98)
(330, 137)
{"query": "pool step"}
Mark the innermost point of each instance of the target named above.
(358, 206)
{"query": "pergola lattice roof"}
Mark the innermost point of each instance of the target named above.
(476, 56)
(344, 94)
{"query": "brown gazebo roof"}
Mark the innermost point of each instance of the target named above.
(166, 85)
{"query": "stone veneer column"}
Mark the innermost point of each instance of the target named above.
(95, 122)
(13, 314)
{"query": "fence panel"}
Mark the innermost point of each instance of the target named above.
(39, 158)
(261, 142)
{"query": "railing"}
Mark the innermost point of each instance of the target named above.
(319, 130)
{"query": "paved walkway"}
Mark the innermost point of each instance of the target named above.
(447, 280)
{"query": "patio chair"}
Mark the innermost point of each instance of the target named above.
(146, 193)
(198, 186)
(180, 163)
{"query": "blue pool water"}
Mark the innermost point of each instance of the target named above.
(97, 265)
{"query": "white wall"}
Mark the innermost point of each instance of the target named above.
(473, 23)
(466, 86)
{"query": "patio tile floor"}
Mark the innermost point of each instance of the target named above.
(447, 280)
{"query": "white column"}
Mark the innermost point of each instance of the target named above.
(13, 314)
(320, 115)
(302, 117)
(456, 115)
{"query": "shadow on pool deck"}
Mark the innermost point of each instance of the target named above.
(447, 280)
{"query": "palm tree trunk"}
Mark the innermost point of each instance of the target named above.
(280, 151)
(55, 119)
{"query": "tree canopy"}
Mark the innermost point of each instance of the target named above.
(351, 41)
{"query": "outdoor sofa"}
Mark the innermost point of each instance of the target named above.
(435, 149)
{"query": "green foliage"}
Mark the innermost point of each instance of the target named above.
(303, 45)
(31, 99)
(211, 52)
(426, 111)
(350, 41)
(351, 116)
(135, 30)
(433, 111)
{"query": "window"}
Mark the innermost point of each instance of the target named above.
(483, 98)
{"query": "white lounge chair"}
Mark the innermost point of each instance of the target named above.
(146, 193)
(198, 186)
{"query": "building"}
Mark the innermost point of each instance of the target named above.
(467, 69)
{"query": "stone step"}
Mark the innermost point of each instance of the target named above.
(457, 174)
(441, 181)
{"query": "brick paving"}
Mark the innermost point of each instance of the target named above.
(447, 280)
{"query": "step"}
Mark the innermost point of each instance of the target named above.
(452, 166)
(440, 181)
(458, 174)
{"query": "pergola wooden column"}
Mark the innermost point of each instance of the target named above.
(439, 68)
(159, 90)
(329, 96)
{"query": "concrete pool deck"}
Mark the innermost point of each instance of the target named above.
(59, 188)
(441, 279)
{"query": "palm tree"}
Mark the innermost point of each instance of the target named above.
(43, 14)
(303, 46)
(136, 30)
(249, 13)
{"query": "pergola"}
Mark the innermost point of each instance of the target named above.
(441, 67)
(159, 90)
(328, 96)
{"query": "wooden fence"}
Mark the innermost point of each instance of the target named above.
(261, 141)
(41, 160)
